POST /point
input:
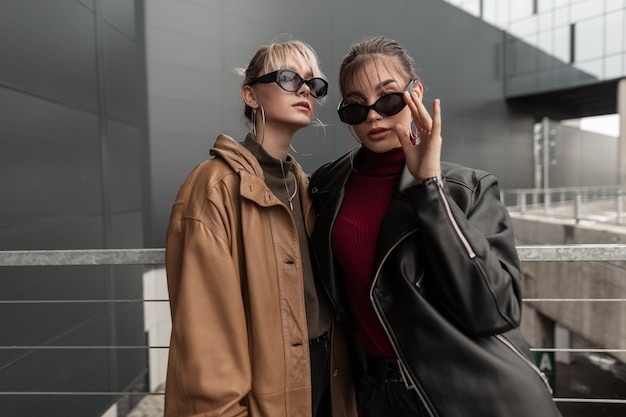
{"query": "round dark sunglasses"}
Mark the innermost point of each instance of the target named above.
(291, 81)
(386, 105)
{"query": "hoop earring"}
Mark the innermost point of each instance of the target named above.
(253, 123)
(262, 120)
(316, 122)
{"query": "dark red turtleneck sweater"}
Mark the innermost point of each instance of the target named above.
(368, 193)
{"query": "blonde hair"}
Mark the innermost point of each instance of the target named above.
(274, 56)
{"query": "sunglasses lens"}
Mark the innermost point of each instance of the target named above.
(389, 104)
(318, 87)
(289, 81)
(353, 114)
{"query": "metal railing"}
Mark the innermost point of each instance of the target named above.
(568, 202)
(156, 257)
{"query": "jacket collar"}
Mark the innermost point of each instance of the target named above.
(252, 183)
(331, 180)
(333, 176)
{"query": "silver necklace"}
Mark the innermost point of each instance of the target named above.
(295, 191)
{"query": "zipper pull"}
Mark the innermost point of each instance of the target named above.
(439, 178)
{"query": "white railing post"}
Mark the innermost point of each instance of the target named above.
(577, 206)
(620, 205)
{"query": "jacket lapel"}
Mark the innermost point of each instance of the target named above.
(399, 218)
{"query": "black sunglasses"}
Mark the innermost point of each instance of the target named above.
(291, 81)
(386, 105)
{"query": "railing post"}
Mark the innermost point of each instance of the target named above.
(620, 203)
(577, 205)
(568, 198)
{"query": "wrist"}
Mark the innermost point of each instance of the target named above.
(435, 177)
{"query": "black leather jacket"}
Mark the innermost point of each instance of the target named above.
(446, 289)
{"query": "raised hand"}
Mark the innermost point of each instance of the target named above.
(422, 158)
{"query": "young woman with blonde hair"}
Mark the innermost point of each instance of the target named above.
(251, 327)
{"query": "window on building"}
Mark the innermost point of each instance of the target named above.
(521, 9)
(589, 39)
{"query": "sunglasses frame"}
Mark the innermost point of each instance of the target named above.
(341, 106)
(274, 77)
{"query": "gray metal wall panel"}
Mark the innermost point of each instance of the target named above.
(126, 230)
(51, 154)
(58, 137)
(122, 77)
(121, 15)
(194, 95)
(125, 181)
(47, 50)
(196, 43)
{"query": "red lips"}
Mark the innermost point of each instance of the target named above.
(377, 133)
(303, 104)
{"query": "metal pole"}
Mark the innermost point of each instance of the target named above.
(620, 205)
(545, 137)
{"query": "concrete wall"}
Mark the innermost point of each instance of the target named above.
(602, 323)
(583, 158)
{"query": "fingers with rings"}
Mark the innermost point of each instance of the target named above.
(421, 116)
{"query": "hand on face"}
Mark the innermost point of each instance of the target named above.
(422, 159)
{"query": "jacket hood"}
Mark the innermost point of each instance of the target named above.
(252, 185)
(236, 156)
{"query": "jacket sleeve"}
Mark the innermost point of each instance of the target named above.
(209, 371)
(471, 253)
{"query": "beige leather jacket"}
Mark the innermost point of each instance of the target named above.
(239, 343)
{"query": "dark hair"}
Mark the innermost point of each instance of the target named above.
(378, 49)
(274, 56)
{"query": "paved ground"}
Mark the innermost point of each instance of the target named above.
(149, 406)
(591, 376)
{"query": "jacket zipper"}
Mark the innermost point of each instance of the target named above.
(525, 359)
(439, 182)
(408, 381)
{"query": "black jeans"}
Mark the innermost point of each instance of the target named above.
(319, 351)
(382, 392)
